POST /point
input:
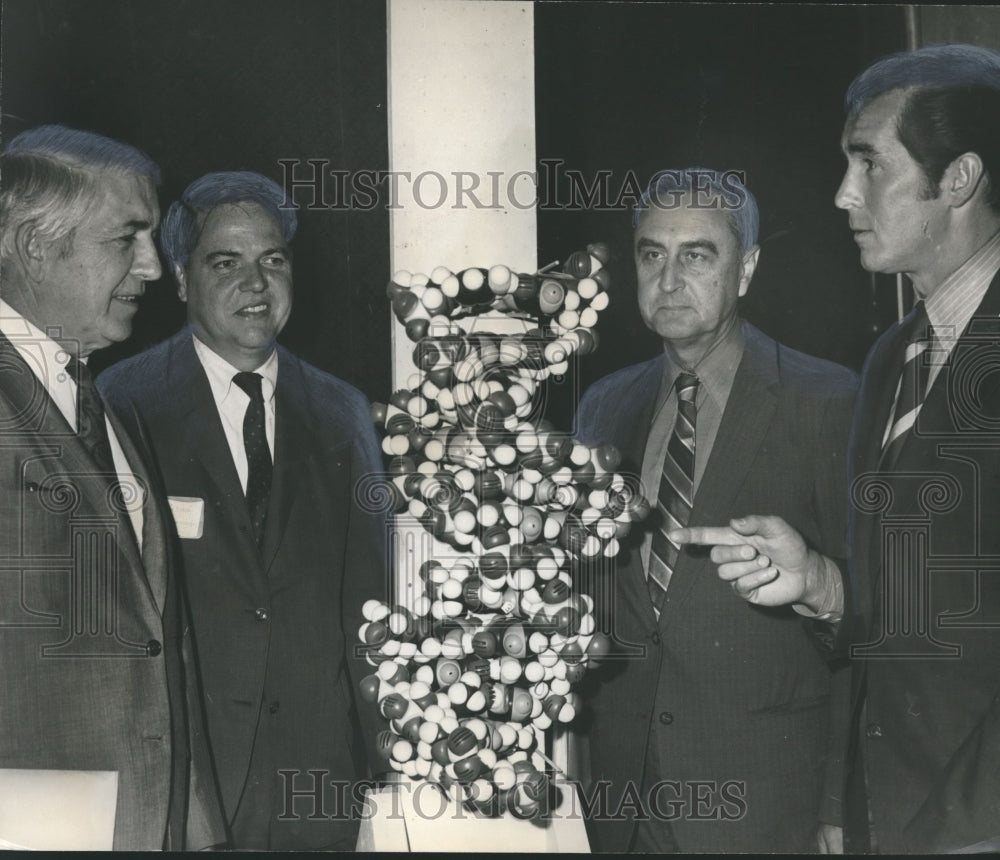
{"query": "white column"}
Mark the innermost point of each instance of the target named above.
(462, 156)
(461, 140)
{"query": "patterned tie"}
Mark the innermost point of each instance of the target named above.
(91, 428)
(676, 493)
(258, 454)
(912, 387)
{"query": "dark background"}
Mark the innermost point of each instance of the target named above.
(207, 85)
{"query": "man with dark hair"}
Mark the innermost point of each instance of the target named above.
(711, 729)
(93, 641)
(261, 453)
(922, 142)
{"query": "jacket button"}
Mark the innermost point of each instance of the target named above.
(873, 730)
(273, 707)
(153, 648)
(261, 614)
(655, 637)
(666, 718)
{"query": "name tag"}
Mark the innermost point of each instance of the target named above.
(189, 516)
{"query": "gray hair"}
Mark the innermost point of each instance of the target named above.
(711, 189)
(52, 175)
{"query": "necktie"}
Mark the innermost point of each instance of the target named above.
(258, 454)
(912, 387)
(676, 494)
(91, 428)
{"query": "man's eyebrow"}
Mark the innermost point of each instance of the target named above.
(214, 255)
(137, 224)
(693, 244)
(860, 148)
(277, 249)
(704, 244)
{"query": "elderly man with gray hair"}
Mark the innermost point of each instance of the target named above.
(95, 669)
(711, 732)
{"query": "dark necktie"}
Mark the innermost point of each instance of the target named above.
(91, 428)
(912, 387)
(258, 454)
(676, 494)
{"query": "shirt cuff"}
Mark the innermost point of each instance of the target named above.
(831, 607)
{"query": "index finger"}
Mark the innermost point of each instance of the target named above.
(707, 536)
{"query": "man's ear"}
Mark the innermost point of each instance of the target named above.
(747, 267)
(182, 292)
(962, 178)
(32, 251)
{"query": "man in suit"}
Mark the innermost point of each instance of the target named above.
(92, 637)
(261, 453)
(710, 733)
(922, 193)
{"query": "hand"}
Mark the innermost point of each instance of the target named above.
(765, 559)
(830, 839)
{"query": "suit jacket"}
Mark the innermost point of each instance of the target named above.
(93, 636)
(927, 528)
(733, 696)
(272, 626)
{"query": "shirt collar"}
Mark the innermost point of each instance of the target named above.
(46, 358)
(220, 372)
(716, 368)
(952, 304)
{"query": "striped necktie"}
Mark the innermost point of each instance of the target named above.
(259, 464)
(911, 389)
(676, 494)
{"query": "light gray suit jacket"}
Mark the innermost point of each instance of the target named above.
(92, 631)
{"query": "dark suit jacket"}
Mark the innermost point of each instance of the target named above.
(931, 733)
(272, 627)
(732, 695)
(92, 632)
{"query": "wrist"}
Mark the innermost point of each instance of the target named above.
(822, 594)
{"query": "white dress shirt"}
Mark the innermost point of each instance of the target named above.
(232, 401)
(47, 360)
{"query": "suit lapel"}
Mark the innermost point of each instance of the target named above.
(882, 394)
(154, 540)
(36, 414)
(743, 428)
(291, 450)
(875, 400)
(634, 436)
(938, 413)
(635, 432)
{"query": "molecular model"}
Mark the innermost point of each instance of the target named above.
(472, 673)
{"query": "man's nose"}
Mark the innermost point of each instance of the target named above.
(146, 262)
(255, 281)
(847, 196)
(670, 276)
